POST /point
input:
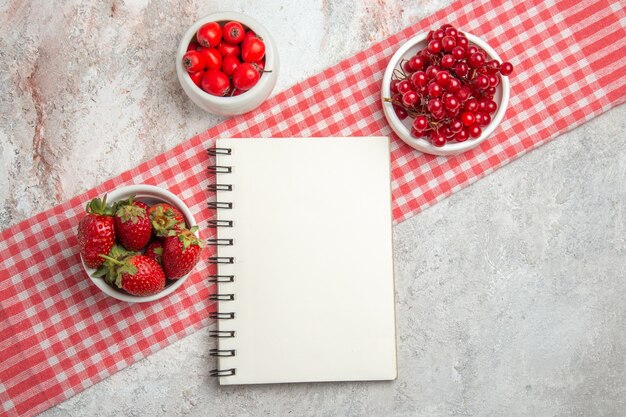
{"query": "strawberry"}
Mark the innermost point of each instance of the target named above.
(181, 252)
(154, 250)
(165, 218)
(137, 275)
(108, 269)
(96, 233)
(132, 225)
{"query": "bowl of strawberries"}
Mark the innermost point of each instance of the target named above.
(227, 63)
(138, 243)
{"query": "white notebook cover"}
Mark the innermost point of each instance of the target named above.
(314, 289)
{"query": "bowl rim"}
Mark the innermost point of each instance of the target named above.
(143, 190)
(424, 145)
(250, 22)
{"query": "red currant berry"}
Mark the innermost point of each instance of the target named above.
(470, 50)
(409, 98)
(452, 113)
(447, 61)
(416, 133)
(493, 65)
(458, 52)
(482, 82)
(461, 69)
(394, 86)
(490, 92)
(445, 130)
(451, 103)
(471, 105)
(439, 34)
(462, 41)
(506, 68)
(453, 85)
(491, 106)
(434, 46)
(430, 35)
(463, 93)
(404, 86)
(493, 80)
(406, 66)
(442, 78)
(467, 118)
(420, 123)
(451, 32)
(478, 118)
(476, 60)
(400, 112)
(416, 63)
(439, 115)
(461, 136)
(418, 78)
(456, 125)
(474, 131)
(434, 105)
(434, 89)
(432, 71)
(486, 119)
(448, 43)
(437, 139)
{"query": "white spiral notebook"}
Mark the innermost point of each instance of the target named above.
(304, 260)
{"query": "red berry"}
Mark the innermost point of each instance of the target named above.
(471, 105)
(406, 66)
(194, 61)
(493, 80)
(472, 49)
(229, 63)
(448, 43)
(461, 69)
(400, 112)
(132, 225)
(193, 46)
(245, 76)
(474, 131)
(213, 59)
(216, 83)
(209, 35)
(233, 32)
(467, 118)
(252, 50)
(451, 103)
(478, 118)
(456, 125)
(226, 48)
(439, 34)
(418, 78)
(196, 77)
(476, 60)
(486, 119)
(181, 253)
(434, 46)
(417, 63)
(438, 139)
(461, 136)
(96, 234)
(442, 78)
(432, 71)
(453, 85)
(462, 41)
(451, 31)
(463, 93)
(447, 61)
(458, 52)
(404, 86)
(482, 82)
(409, 98)
(506, 68)
(434, 89)
(394, 86)
(420, 123)
(434, 105)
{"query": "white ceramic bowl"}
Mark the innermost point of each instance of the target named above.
(230, 106)
(150, 195)
(403, 127)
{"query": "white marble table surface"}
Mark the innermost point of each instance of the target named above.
(510, 294)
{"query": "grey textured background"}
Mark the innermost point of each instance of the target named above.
(510, 294)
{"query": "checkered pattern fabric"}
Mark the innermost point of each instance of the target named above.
(59, 334)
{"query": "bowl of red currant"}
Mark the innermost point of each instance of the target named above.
(445, 92)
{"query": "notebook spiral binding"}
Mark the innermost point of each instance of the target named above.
(214, 224)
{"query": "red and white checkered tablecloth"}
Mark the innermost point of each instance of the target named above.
(59, 334)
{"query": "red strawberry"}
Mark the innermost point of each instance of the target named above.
(137, 275)
(155, 250)
(181, 252)
(165, 218)
(108, 269)
(96, 233)
(132, 225)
